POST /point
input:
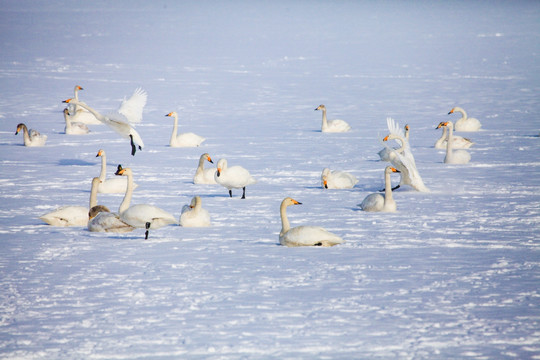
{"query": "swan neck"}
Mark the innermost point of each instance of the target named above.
(26, 135)
(285, 225)
(103, 173)
(324, 121)
(387, 187)
(94, 112)
(402, 148)
(449, 143)
(93, 194)
(68, 121)
(127, 197)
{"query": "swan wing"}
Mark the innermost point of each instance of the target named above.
(139, 215)
(132, 108)
(108, 222)
(407, 166)
(67, 216)
(309, 236)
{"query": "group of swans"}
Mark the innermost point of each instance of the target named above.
(31, 137)
(453, 156)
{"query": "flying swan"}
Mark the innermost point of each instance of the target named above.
(31, 137)
(202, 175)
(185, 139)
(378, 202)
(457, 156)
(332, 125)
(465, 123)
(193, 215)
(234, 177)
(337, 179)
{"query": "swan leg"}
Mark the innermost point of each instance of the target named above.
(244, 193)
(396, 187)
(230, 193)
(147, 226)
(133, 147)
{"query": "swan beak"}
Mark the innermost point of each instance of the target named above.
(325, 184)
(210, 160)
(119, 170)
(218, 171)
(385, 138)
(296, 202)
(67, 101)
(451, 112)
(169, 114)
(395, 170)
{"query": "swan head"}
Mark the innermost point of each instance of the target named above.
(96, 210)
(448, 124)
(290, 201)
(221, 165)
(122, 171)
(172, 113)
(195, 201)
(101, 152)
(324, 177)
(19, 128)
(66, 112)
(407, 127)
(207, 157)
(391, 169)
(78, 87)
(320, 107)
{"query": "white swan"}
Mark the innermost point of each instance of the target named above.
(184, 139)
(458, 142)
(133, 107)
(465, 123)
(78, 114)
(31, 137)
(332, 125)
(118, 123)
(457, 156)
(384, 154)
(303, 235)
(102, 220)
(72, 215)
(112, 185)
(234, 177)
(141, 215)
(337, 179)
(74, 127)
(378, 202)
(403, 159)
(202, 175)
(194, 215)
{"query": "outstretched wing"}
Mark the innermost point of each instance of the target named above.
(132, 108)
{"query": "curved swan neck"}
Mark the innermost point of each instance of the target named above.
(93, 192)
(402, 148)
(94, 112)
(462, 111)
(285, 225)
(129, 192)
(26, 135)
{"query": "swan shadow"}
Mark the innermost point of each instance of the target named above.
(77, 162)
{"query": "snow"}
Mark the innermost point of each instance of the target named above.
(454, 273)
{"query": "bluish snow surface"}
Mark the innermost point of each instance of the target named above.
(452, 274)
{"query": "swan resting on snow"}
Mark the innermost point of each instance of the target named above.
(78, 114)
(465, 123)
(234, 177)
(31, 137)
(332, 125)
(103, 220)
(183, 139)
(457, 156)
(337, 179)
(458, 142)
(378, 202)
(193, 215)
(202, 175)
(112, 185)
(384, 154)
(303, 235)
(74, 127)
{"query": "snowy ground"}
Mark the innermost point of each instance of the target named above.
(452, 274)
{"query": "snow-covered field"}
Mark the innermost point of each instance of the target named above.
(454, 273)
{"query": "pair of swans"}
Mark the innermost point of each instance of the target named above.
(79, 114)
(453, 156)
(184, 139)
(378, 202)
(234, 177)
(303, 235)
(74, 127)
(458, 142)
(337, 179)
(465, 123)
(193, 215)
(31, 137)
(202, 175)
(402, 159)
(112, 185)
(332, 125)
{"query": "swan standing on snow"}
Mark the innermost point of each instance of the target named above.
(332, 125)
(303, 235)
(73, 215)
(78, 114)
(457, 156)
(103, 220)
(234, 177)
(378, 202)
(403, 159)
(384, 154)
(458, 142)
(202, 175)
(185, 139)
(31, 137)
(141, 215)
(113, 185)
(118, 123)
(465, 123)
(337, 179)
(194, 215)
(74, 127)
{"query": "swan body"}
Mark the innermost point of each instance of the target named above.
(74, 127)
(378, 202)
(234, 177)
(403, 160)
(141, 215)
(114, 185)
(78, 114)
(194, 215)
(337, 179)
(458, 142)
(465, 123)
(453, 156)
(185, 139)
(303, 235)
(72, 215)
(384, 154)
(332, 125)
(31, 137)
(118, 122)
(202, 175)
(102, 220)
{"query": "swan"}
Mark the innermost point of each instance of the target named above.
(234, 177)
(103, 220)
(118, 123)
(378, 202)
(133, 107)
(337, 179)
(403, 159)
(202, 175)
(31, 137)
(458, 142)
(384, 154)
(74, 127)
(78, 114)
(141, 215)
(453, 157)
(332, 125)
(303, 235)
(465, 123)
(194, 215)
(185, 139)
(72, 215)
(112, 185)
